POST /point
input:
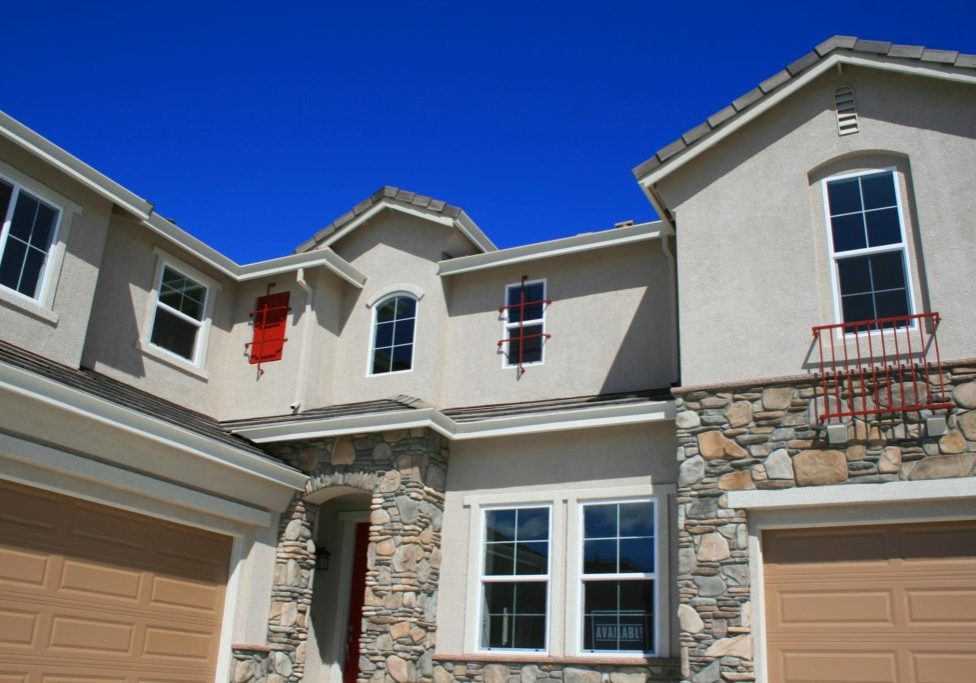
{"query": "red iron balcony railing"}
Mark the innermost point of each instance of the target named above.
(876, 367)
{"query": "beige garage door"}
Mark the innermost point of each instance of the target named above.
(90, 593)
(874, 603)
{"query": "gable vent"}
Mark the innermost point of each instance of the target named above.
(846, 110)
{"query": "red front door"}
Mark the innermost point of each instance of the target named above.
(357, 592)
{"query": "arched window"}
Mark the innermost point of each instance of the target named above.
(394, 321)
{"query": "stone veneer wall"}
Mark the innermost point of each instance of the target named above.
(657, 670)
(405, 472)
(768, 437)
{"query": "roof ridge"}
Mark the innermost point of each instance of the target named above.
(836, 43)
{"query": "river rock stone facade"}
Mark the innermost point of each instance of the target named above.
(767, 436)
(653, 671)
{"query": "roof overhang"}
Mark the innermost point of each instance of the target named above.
(509, 425)
(560, 247)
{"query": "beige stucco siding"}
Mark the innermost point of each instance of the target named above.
(609, 320)
(553, 468)
(56, 329)
(753, 263)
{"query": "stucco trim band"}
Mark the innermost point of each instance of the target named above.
(853, 494)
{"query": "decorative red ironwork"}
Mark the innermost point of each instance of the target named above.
(521, 337)
(270, 318)
(874, 367)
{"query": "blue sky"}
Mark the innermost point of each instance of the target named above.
(254, 125)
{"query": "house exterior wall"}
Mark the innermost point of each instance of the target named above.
(752, 251)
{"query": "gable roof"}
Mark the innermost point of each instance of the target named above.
(402, 200)
(846, 48)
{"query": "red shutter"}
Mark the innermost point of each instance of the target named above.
(270, 320)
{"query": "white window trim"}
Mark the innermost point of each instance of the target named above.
(374, 306)
(507, 326)
(565, 623)
(832, 256)
(40, 306)
(194, 366)
(529, 578)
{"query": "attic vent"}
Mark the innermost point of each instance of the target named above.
(846, 110)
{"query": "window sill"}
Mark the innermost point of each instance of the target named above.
(596, 660)
(29, 306)
(183, 366)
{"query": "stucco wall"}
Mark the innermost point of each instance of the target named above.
(57, 331)
(752, 253)
(539, 468)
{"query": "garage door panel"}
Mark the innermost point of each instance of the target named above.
(96, 580)
(23, 567)
(88, 635)
(833, 608)
(110, 528)
(18, 628)
(943, 667)
(841, 665)
(942, 606)
(173, 592)
(19, 510)
(181, 644)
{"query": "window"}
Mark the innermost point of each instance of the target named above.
(393, 334)
(524, 314)
(29, 229)
(618, 575)
(515, 579)
(181, 305)
(868, 247)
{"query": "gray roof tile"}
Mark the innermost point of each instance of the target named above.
(847, 43)
(485, 412)
(359, 408)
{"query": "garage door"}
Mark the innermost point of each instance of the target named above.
(90, 593)
(874, 603)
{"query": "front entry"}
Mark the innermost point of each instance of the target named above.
(357, 590)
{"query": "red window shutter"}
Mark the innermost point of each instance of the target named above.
(270, 320)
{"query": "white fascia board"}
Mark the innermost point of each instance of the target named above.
(560, 247)
(32, 453)
(474, 234)
(534, 423)
(55, 394)
(855, 494)
(910, 68)
(38, 145)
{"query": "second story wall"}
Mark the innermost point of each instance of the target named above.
(755, 267)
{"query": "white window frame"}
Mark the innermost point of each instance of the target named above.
(196, 364)
(42, 302)
(513, 578)
(901, 246)
(507, 326)
(375, 306)
(655, 576)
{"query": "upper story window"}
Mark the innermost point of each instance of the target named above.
(515, 579)
(30, 227)
(618, 576)
(181, 311)
(524, 316)
(394, 327)
(868, 246)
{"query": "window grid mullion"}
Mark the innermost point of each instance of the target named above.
(178, 313)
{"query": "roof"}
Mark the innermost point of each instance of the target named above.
(386, 405)
(394, 197)
(103, 387)
(487, 412)
(837, 45)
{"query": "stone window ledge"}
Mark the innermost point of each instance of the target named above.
(502, 658)
(247, 647)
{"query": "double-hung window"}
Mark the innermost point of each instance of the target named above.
(515, 578)
(28, 233)
(394, 327)
(868, 246)
(181, 308)
(618, 576)
(524, 314)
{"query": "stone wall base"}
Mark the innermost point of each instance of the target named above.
(656, 671)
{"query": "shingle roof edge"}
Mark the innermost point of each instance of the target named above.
(846, 44)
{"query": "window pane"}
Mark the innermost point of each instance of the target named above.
(12, 263)
(600, 521)
(888, 271)
(500, 525)
(878, 190)
(384, 334)
(515, 615)
(618, 615)
(530, 633)
(521, 348)
(404, 332)
(43, 229)
(499, 597)
(530, 598)
(174, 334)
(402, 357)
(848, 232)
(844, 196)
(858, 307)
(386, 310)
(637, 519)
(182, 293)
(499, 559)
(31, 274)
(533, 297)
(382, 359)
(892, 304)
(533, 524)
(406, 307)
(6, 192)
(600, 557)
(637, 555)
(25, 212)
(532, 558)
(883, 227)
(855, 275)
